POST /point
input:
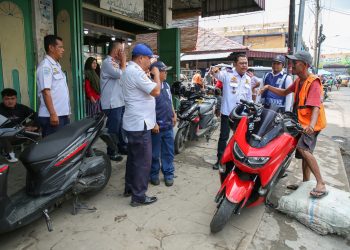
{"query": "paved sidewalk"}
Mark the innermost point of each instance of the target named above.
(181, 217)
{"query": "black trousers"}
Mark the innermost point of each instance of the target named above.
(224, 135)
(138, 164)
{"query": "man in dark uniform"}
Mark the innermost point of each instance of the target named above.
(162, 134)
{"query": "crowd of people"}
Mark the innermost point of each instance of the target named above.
(137, 102)
(135, 98)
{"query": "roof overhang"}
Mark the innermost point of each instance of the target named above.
(215, 7)
(225, 7)
(129, 23)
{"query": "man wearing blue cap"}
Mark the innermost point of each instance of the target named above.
(162, 134)
(139, 119)
(278, 79)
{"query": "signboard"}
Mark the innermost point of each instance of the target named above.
(341, 59)
(130, 8)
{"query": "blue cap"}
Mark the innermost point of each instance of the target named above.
(142, 49)
(161, 66)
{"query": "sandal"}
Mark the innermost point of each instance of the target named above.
(293, 186)
(318, 194)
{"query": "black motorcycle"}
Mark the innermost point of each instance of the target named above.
(60, 166)
(196, 118)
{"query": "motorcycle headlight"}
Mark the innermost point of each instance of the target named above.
(238, 152)
(252, 161)
(257, 161)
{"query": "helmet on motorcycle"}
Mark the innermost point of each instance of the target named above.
(236, 115)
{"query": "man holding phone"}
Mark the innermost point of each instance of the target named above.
(139, 119)
(112, 98)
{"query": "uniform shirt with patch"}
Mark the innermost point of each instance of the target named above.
(50, 76)
(139, 104)
(235, 88)
(111, 85)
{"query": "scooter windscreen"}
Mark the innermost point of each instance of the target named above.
(266, 129)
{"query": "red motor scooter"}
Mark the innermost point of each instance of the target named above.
(255, 158)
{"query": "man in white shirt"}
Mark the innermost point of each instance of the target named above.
(139, 119)
(277, 78)
(112, 97)
(54, 109)
(236, 86)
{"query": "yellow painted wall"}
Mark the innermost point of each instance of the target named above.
(13, 47)
(263, 42)
(63, 31)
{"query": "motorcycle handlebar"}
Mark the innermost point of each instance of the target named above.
(31, 133)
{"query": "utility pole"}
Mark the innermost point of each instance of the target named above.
(300, 24)
(317, 13)
(291, 27)
(320, 40)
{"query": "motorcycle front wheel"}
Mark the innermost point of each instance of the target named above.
(222, 215)
(179, 142)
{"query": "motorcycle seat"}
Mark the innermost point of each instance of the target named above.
(49, 147)
(206, 106)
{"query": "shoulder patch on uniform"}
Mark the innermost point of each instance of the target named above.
(46, 71)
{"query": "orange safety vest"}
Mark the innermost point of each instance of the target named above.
(305, 112)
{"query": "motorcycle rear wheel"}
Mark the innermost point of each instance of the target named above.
(107, 172)
(222, 215)
(179, 142)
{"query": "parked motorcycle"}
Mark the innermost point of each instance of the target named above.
(254, 160)
(325, 92)
(196, 119)
(60, 166)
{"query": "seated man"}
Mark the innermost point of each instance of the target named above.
(17, 113)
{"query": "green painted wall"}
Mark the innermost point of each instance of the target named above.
(169, 51)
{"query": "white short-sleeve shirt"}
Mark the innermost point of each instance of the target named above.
(234, 88)
(111, 86)
(50, 76)
(139, 104)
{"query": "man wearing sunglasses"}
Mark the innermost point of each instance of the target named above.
(309, 109)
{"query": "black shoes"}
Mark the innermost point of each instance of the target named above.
(116, 157)
(147, 201)
(216, 166)
(155, 182)
(169, 183)
(127, 193)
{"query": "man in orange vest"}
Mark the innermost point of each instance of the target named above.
(311, 115)
(197, 80)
